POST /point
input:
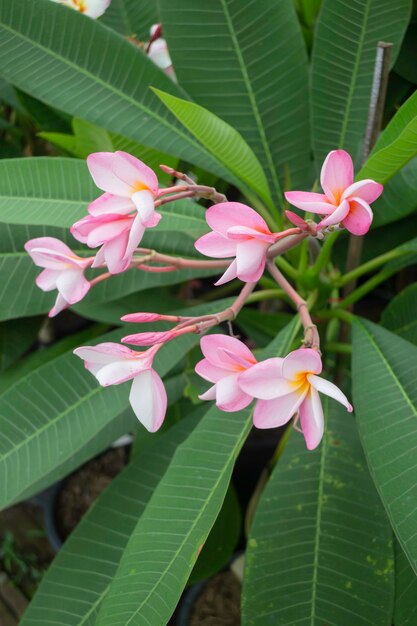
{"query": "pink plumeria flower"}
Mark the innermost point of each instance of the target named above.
(64, 271)
(225, 360)
(92, 8)
(119, 217)
(113, 364)
(237, 231)
(287, 386)
(158, 51)
(344, 201)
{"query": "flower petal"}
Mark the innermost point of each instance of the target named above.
(264, 380)
(229, 396)
(60, 305)
(215, 245)
(134, 172)
(337, 216)
(245, 233)
(148, 399)
(309, 201)
(224, 215)
(312, 419)
(210, 372)
(119, 372)
(100, 165)
(108, 203)
(228, 275)
(336, 174)
(359, 219)
(72, 284)
(135, 237)
(367, 190)
(145, 205)
(329, 389)
(114, 254)
(96, 8)
(47, 279)
(301, 361)
(213, 347)
(277, 412)
(210, 394)
(251, 259)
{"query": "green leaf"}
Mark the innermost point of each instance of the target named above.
(343, 62)
(400, 315)
(405, 609)
(16, 338)
(165, 543)
(80, 576)
(396, 146)
(92, 73)
(399, 198)
(260, 90)
(59, 409)
(320, 548)
(260, 326)
(385, 397)
(222, 140)
(222, 540)
(132, 17)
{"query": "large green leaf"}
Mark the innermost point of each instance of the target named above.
(399, 198)
(80, 576)
(396, 146)
(261, 90)
(132, 17)
(385, 400)
(165, 543)
(405, 610)
(222, 140)
(320, 549)
(400, 314)
(52, 413)
(344, 55)
(83, 68)
(56, 192)
(16, 338)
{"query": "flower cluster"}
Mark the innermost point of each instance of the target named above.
(242, 244)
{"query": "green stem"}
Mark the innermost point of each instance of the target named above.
(303, 262)
(265, 294)
(369, 266)
(361, 291)
(336, 346)
(336, 314)
(325, 252)
(286, 267)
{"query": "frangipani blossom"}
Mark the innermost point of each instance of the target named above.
(287, 386)
(344, 201)
(119, 217)
(113, 364)
(225, 360)
(92, 8)
(237, 231)
(158, 51)
(64, 271)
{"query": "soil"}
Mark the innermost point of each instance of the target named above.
(219, 602)
(83, 487)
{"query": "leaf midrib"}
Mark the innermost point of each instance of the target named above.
(253, 101)
(352, 84)
(148, 111)
(243, 435)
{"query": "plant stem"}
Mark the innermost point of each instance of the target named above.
(361, 291)
(335, 346)
(369, 266)
(325, 252)
(311, 336)
(265, 294)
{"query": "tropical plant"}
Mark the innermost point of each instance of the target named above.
(197, 121)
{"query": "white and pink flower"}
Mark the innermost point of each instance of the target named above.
(113, 364)
(92, 8)
(290, 386)
(226, 358)
(344, 201)
(64, 270)
(237, 231)
(119, 217)
(158, 51)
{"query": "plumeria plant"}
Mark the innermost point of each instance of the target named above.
(218, 218)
